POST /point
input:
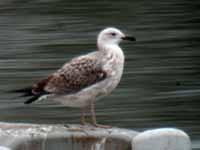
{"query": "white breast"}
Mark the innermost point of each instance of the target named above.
(113, 64)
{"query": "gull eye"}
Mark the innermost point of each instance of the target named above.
(113, 34)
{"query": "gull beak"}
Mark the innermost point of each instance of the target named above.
(129, 38)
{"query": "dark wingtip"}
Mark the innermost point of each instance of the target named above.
(27, 102)
(24, 90)
(32, 99)
(35, 97)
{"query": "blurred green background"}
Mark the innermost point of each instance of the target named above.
(161, 82)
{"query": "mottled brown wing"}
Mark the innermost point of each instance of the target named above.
(74, 76)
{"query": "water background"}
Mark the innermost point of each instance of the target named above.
(161, 82)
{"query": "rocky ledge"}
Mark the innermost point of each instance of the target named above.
(14, 136)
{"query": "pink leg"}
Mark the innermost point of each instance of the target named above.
(82, 116)
(94, 120)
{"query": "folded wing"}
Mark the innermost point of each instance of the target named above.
(71, 78)
(75, 76)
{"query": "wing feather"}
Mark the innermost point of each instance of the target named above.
(75, 76)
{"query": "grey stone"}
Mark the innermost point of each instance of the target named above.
(75, 137)
(4, 148)
(59, 137)
(162, 139)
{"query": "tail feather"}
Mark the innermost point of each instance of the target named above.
(35, 97)
(24, 90)
(26, 95)
(32, 99)
(27, 92)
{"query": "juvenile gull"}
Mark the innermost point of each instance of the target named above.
(83, 80)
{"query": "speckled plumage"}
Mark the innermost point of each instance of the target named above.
(75, 75)
(98, 78)
(85, 78)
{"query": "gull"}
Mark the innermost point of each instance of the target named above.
(84, 79)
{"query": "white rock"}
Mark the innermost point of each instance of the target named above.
(4, 148)
(17, 136)
(59, 137)
(162, 139)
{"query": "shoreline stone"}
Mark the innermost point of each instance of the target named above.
(18, 136)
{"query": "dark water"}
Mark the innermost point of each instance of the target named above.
(161, 82)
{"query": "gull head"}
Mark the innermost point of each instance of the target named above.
(112, 36)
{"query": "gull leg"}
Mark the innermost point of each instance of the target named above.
(82, 116)
(94, 120)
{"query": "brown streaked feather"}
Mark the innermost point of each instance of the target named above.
(39, 87)
(75, 76)
(35, 91)
(72, 77)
